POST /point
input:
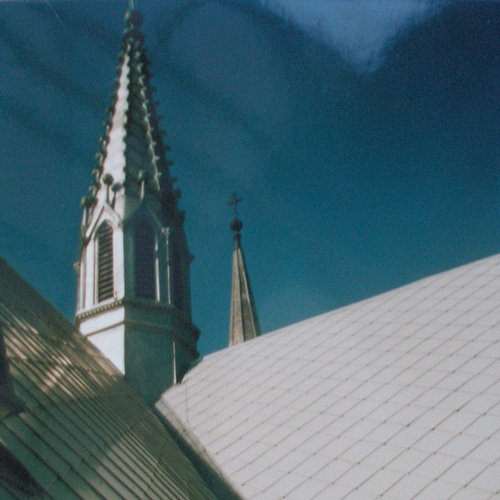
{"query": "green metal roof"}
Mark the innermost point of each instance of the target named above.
(84, 433)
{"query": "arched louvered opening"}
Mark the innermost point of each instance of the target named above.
(105, 282)
(145, 260)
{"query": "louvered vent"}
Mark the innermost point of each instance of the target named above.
(105, 288)
(145, 265)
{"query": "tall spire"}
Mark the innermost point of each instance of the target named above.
(134, 293)
(244, 323)
(132, 163)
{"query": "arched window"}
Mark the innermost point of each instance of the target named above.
(145, 260)
(105, 285)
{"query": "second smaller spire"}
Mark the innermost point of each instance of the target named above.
(243, 323)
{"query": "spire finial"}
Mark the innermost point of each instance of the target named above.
(236, 224)
(234, 203)
(133, 18)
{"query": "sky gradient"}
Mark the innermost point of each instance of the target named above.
(363, 137)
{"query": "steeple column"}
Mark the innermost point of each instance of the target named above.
(134, 297)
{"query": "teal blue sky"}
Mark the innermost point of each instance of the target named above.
(363, 136)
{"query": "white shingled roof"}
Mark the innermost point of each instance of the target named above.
(397, 397)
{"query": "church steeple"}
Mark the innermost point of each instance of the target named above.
(134, 292)
(132, 163)
(244, 323)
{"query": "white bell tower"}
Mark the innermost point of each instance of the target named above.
(134, 299)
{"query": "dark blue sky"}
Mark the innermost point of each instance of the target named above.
(363, 136)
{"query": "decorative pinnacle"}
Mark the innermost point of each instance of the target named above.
(236, 224)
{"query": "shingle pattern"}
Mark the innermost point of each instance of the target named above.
(395, 397)
(84, 433)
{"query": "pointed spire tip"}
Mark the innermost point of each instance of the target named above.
(133, 18)
(236, 225)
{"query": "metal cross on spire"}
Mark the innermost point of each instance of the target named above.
(234, 203)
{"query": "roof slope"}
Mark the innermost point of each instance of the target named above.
(397, 396)
(84, 432)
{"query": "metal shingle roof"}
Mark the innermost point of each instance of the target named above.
(397, 396)
(84, 433)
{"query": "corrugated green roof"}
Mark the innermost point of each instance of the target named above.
(84, 433)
